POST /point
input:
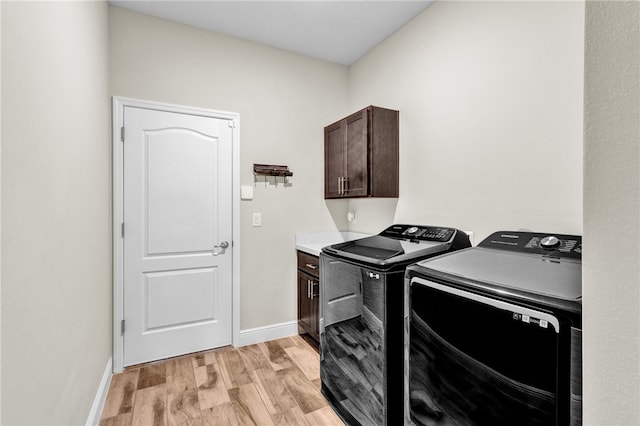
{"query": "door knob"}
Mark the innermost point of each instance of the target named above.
(220, 248)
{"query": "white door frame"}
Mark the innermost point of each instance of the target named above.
(119, 103)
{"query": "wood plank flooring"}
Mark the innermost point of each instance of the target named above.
(270, 383)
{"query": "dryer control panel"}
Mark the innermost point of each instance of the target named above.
(551, 245)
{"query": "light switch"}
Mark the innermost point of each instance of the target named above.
(246, 192)
(257, 219)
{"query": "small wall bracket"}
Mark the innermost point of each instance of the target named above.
(272, 170)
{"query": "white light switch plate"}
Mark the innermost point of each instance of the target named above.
(257, 219)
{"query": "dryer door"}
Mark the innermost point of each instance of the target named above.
(474, 360)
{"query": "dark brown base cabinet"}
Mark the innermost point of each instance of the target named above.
(361, 155)
(308, 295)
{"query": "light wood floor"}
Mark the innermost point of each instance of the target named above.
(270, 383)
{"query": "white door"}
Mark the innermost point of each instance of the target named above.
(177, 210)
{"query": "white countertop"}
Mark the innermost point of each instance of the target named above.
(313, 243)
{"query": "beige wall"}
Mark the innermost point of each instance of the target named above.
(284, 100)
(0, 219)
(493, 88)
(612, 214)
(56, 279)
(476, 83)
(490, 100)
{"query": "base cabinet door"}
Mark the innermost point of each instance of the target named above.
(308, 297)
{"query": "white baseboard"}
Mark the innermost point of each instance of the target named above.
(268, 332)
(101, 395)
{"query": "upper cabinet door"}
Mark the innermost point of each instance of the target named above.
(334, 159)
(356, 181)
(362, 155)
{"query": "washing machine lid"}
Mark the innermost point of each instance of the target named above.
(399, 245)
(517, 261)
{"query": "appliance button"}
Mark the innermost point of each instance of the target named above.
(549, 242)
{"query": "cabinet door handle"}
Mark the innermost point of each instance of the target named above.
(309, 265)
(345, 185)
(339, 185)
(308, 289)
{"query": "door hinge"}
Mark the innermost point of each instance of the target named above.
(122, 328)
(122, 229)
(122, 133)
(232, 124)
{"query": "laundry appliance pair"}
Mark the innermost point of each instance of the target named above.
(418, 327)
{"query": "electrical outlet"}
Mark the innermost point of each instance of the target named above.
(470, 234)
(257, 219)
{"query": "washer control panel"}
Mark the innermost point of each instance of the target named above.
(419, 233)
(550, 245)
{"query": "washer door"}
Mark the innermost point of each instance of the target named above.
(352, 342)
(474, 360)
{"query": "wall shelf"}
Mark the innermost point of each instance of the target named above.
(271, 170)
(271, 173)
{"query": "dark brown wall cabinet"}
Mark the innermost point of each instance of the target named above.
(361, 155)
(308, 295)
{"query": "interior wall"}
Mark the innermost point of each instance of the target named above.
(611, 295)
(56, 270)
(284, 100)
(0, 220)
(490, 100)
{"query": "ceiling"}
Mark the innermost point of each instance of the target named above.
(335, 31)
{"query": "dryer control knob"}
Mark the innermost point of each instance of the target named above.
(549, 242)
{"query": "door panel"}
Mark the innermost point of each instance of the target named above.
(175, 298)
(173, 190)
(177, 208)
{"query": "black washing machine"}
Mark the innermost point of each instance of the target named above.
(495, 333)
(361, 319)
